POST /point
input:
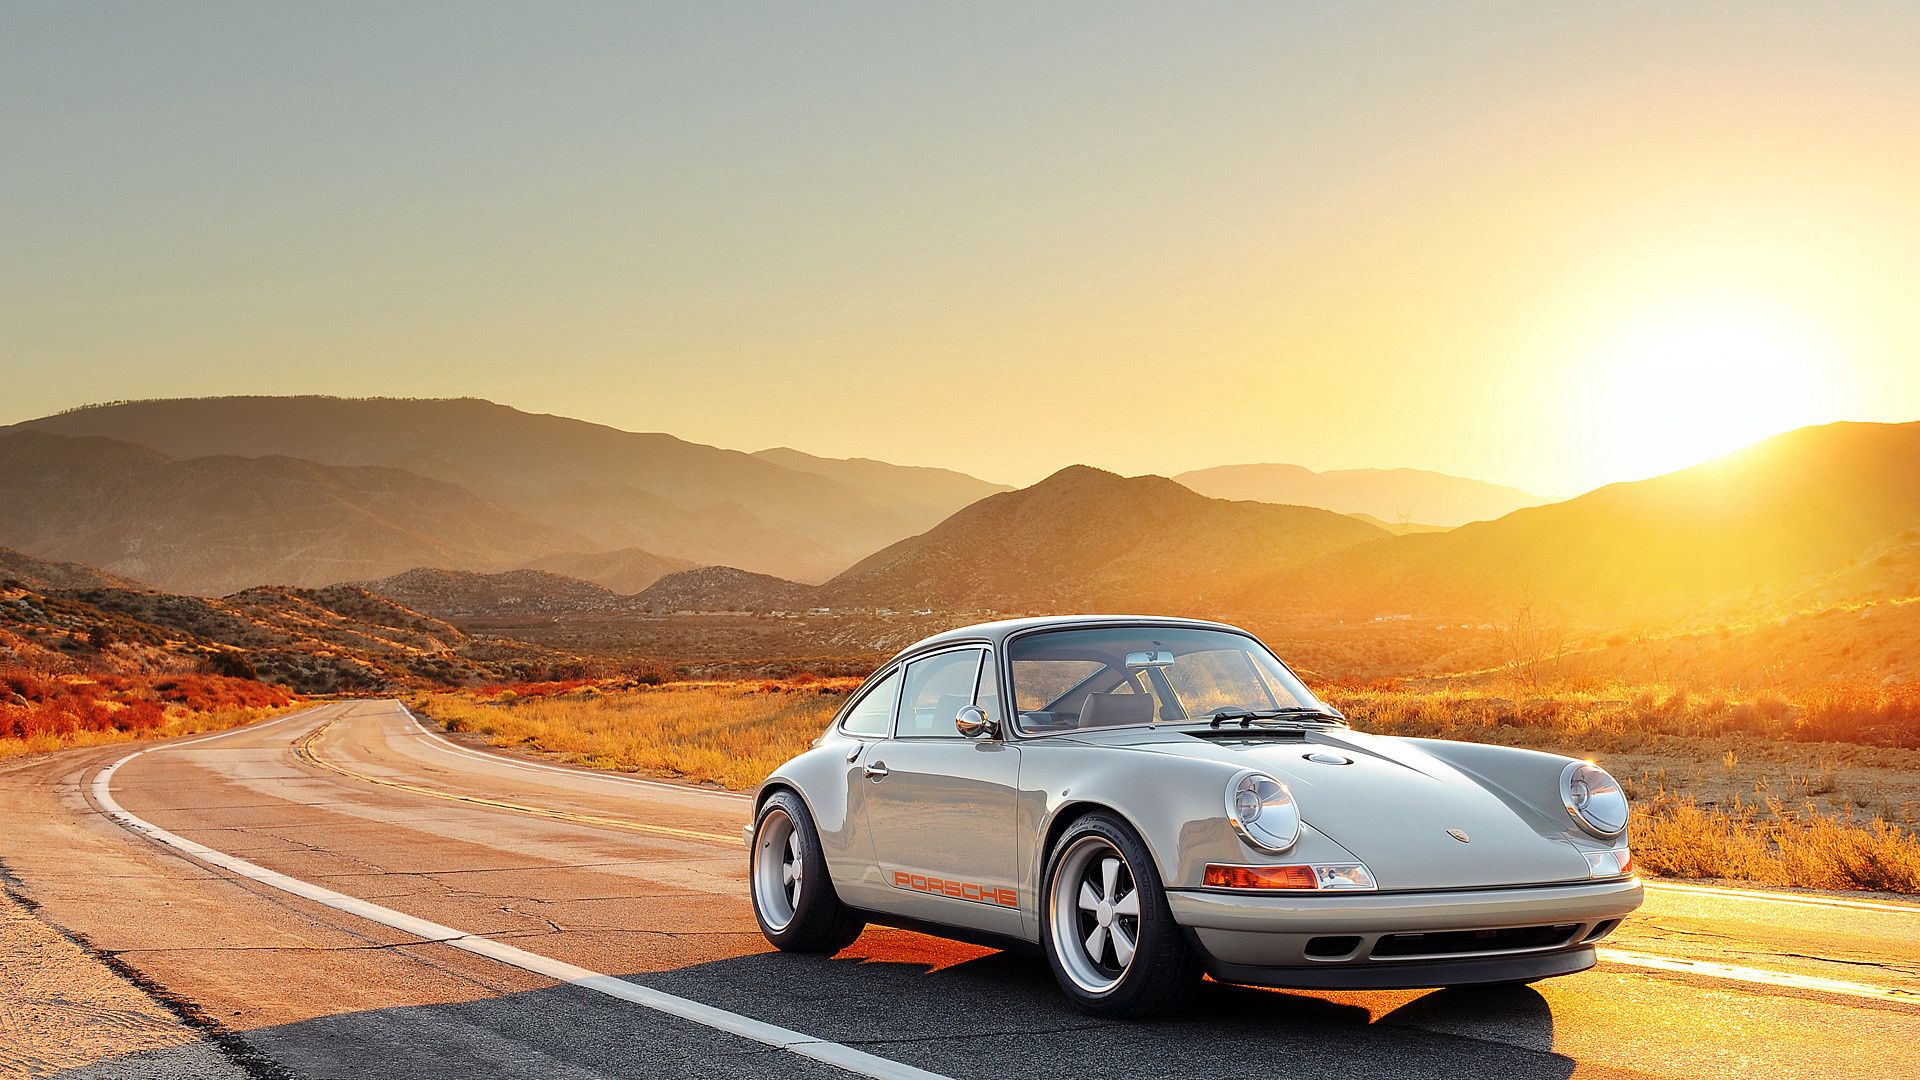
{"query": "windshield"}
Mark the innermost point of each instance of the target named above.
(1064, 680)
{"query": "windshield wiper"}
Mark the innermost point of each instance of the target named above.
(1298, 713)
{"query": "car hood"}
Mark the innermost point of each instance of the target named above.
(1392, 805)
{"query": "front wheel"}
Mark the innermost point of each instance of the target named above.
(1109, 937)
(793, 899)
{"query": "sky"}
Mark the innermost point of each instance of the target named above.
(1546, 245)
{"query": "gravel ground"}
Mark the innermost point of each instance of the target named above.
(66, 1013)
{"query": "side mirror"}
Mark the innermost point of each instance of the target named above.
(974, 723)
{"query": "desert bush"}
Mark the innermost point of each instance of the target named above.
(47, 712)
(1769, 845)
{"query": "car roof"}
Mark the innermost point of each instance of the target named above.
(996, 633)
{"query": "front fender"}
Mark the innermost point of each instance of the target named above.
(1177, 805)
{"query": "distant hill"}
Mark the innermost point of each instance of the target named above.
(1389, 495)
(1761, 529)
(1399, 528)
(1084, 539)
(927, 495)
(18, 566)
(724, 588)
(625, 571)
(612, 488)
(326, 640)
(212, 525)
(454, 593)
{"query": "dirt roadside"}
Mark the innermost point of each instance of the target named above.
(65, 1011)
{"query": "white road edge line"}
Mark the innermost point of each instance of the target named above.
(1735, 973)
(1783, 898)
(835, 1054)
(442, 743)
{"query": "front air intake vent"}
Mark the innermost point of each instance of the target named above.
(1455, 942)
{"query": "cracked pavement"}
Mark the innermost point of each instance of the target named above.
(260, 983)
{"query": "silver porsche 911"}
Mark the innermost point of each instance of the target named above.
(1149, 799)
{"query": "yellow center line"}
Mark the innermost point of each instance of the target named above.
(305, 751)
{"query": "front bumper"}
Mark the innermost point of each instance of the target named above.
(1403, 940)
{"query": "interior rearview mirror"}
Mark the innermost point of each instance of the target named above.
(974, 723)
(1158, 658)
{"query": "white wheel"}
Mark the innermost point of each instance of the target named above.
(793, 897)
(779, 870)
(1095, 908)
(1108, 935)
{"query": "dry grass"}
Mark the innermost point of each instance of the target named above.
(731, 733)
(1769, 844)
(1709, 803)
(1624, 716)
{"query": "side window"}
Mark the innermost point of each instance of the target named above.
(988, 695)
(936, 689)
(873, 713)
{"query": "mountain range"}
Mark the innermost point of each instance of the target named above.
(1766, 529)
(463, 507)
(599, 488)
(1387, 495)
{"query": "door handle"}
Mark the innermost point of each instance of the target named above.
(877, 771)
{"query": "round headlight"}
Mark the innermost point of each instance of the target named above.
(1263, 811)
(1594, 799)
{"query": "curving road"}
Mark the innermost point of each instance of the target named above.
(344, 893)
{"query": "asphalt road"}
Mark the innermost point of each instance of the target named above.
(342, 893)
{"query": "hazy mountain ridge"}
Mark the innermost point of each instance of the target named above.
(929, 494)
(624, 571)
(1748, 532)
(618, 488)
(25, 570)
(1088, 539)
(1389, 495)
(212, 525)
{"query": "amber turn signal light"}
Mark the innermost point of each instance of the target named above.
(1261, 877)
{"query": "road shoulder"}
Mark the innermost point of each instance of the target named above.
(65, 1009)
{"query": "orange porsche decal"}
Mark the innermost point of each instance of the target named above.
(959, 890)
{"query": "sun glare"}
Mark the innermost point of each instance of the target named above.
(1678, 390)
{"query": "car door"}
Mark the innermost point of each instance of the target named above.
(941, 807)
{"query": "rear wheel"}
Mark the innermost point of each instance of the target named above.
(793, 900)
(1109, 937)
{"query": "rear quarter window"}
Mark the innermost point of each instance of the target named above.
(873, 713)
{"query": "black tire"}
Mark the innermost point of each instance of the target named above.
(803, 915)
(1164, 968)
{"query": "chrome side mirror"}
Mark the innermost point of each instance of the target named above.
(974, 723)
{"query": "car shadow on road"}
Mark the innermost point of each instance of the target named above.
(999, 1012)
(965, 1015)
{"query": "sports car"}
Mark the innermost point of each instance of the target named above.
(1147, 800)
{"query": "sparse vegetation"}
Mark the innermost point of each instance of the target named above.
(1740, 790)
(726, 733)
(41, 712)
(1769, 844)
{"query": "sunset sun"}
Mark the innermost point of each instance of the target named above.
(1673, 391)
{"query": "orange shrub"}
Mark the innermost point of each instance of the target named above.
(33, 705)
